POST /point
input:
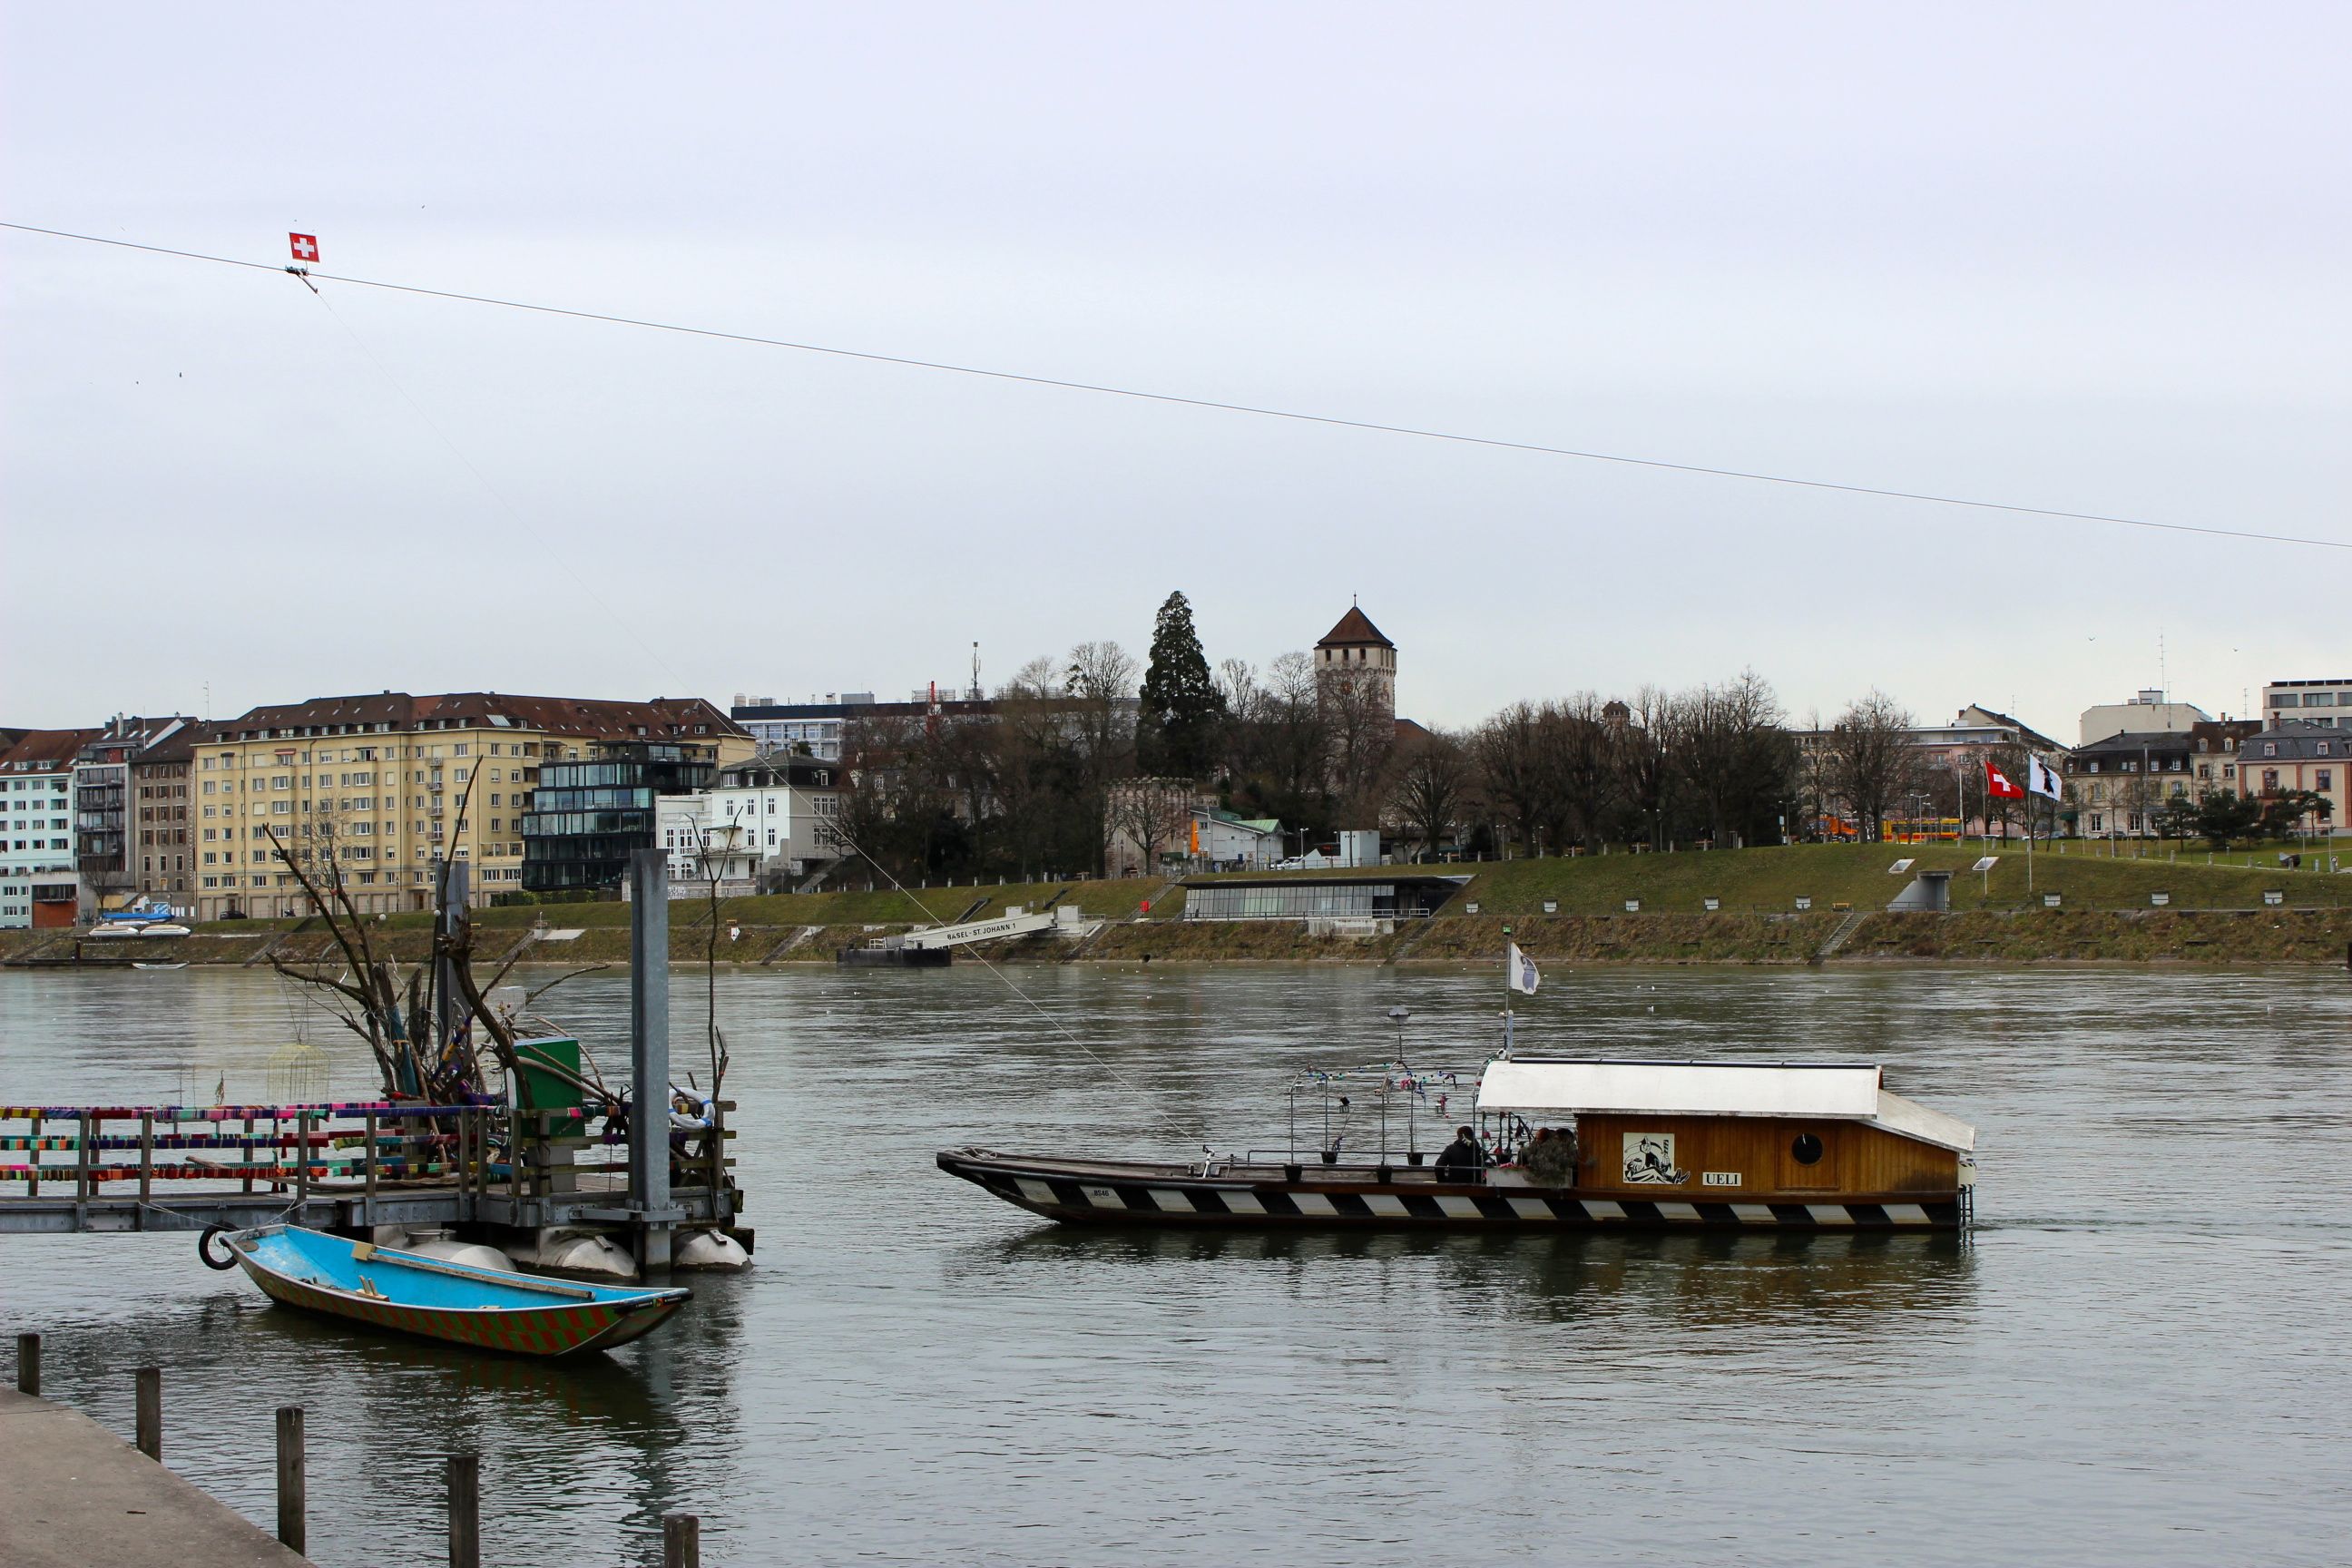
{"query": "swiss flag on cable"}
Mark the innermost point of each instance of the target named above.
(1998, 784)
(304, 246)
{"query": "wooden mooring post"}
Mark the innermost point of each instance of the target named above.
(465, 1510)
(293, 1481)
(28, 1364)
(150, 1412)
(681, 1541)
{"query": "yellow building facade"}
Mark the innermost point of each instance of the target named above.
(388, 784)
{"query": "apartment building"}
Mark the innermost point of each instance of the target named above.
(386, 784)
(39, 884)
(162, 854)
(2289, 757)
(2326, 704)
(106, 814)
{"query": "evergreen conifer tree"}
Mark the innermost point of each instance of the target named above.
(1182, 710)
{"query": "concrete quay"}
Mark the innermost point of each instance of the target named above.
(77, 1494)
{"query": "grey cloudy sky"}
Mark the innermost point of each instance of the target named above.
(2078, 257)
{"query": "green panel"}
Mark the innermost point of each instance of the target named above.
(542, 1090)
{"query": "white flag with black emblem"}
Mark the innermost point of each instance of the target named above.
(2043, 778)
(1524, 976)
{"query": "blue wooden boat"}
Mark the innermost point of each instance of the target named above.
(488, 1308)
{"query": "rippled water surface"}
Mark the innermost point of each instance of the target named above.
(2141, 1357)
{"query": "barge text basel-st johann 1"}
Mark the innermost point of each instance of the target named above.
(1555, 1142)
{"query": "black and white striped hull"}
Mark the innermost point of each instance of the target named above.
(1097, 1192)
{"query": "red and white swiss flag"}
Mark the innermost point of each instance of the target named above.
(305, 246)
(1998, 784)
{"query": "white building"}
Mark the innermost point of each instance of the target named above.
(769, 815)
(2326, 703)
(41, 884)
(1221, 839)
(2148, 713)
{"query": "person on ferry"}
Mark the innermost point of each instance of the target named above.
(1461, 1157)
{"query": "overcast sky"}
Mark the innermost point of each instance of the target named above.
(2076, 257)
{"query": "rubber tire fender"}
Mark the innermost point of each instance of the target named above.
(205, 1248)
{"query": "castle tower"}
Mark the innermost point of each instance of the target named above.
(1354, 650)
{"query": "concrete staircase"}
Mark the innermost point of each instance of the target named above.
(1840, 937)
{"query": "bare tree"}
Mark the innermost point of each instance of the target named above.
(1876, 762)
(1429, 786)
(1359, 716)
(1735, 757)
(1514, 767)
(1101, 688)
(1147, 815)
(1643, 745)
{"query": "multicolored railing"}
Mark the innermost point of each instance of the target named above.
(357, 1143)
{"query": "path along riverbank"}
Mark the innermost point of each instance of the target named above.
(76, 1494)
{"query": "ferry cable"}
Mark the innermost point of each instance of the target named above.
(514, 513)
(1258, 410)
(856, 849)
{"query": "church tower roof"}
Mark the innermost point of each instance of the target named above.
(1355, 630)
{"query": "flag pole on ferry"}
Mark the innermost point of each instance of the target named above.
(1520, 978)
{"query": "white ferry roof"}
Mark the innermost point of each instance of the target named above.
(1840, 1090)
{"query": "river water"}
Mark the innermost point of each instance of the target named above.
(2140, 1357)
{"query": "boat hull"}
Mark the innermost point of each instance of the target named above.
(309, 1274)
(1111, 1193)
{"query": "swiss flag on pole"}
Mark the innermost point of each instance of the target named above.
(305, 246)
(1999, 785)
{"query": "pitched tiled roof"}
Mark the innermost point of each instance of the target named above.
(2295, 740)
(588, 718)
(45, 750)
(1355, 630)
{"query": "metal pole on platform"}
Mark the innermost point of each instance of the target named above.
(448, 1007)
(150, 1412)
(293, 1485)
(649, 1052)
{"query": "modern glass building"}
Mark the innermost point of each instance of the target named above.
(1300, 899)
(586, 817)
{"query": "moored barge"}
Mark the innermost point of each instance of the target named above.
(1566, 1143)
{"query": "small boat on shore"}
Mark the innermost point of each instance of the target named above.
(179, 963)
(1559, 1143)
(410, 1292)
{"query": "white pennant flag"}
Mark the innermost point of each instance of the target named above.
(1524, 977)
(2041, 778)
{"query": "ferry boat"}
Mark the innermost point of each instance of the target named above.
(1555, 1142)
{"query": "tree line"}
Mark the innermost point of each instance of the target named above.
(1095, 755)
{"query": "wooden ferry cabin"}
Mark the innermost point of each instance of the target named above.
(1759, 1138)
(1653, 1144)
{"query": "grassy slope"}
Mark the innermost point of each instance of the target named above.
(2001, 922)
